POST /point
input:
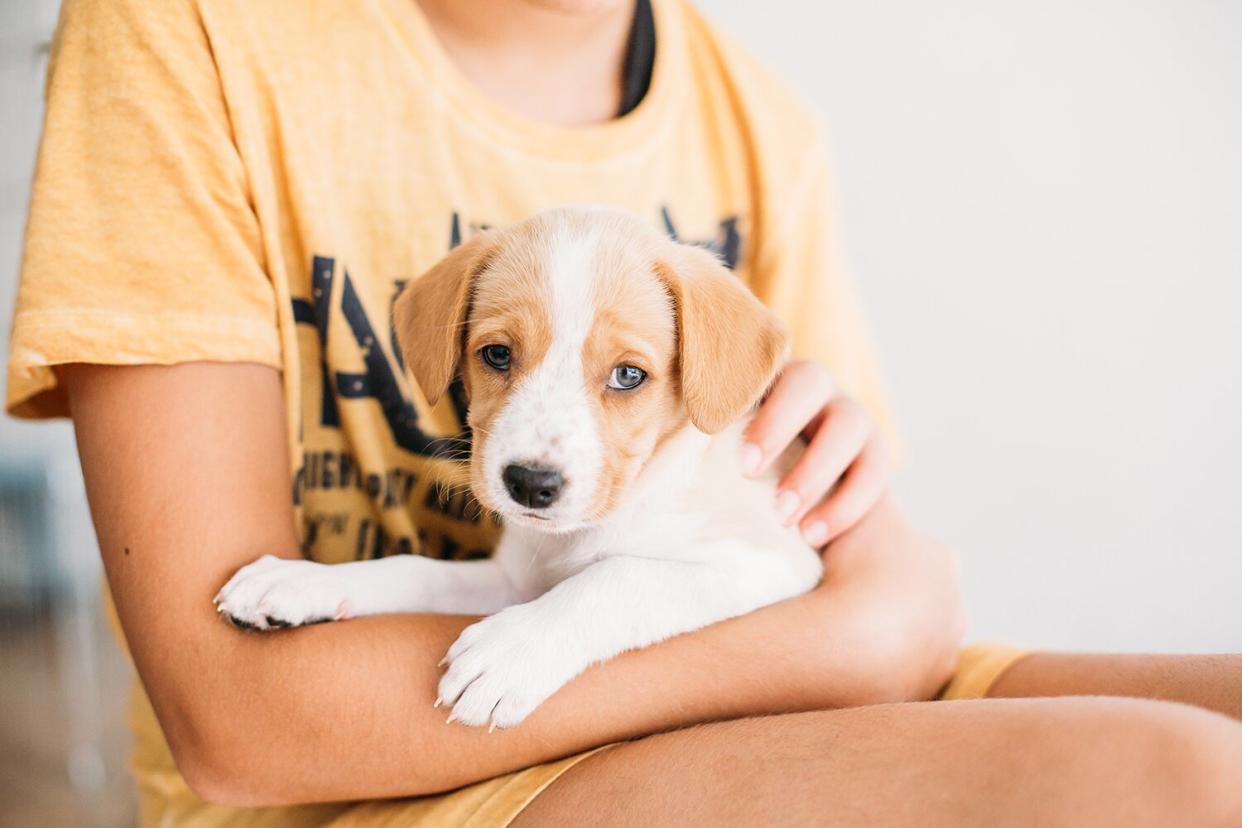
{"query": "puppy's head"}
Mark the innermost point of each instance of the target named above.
(583, 338)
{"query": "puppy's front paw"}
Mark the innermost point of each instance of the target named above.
(503, 667)
(275, 592)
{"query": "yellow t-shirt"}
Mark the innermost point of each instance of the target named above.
(237, 181)
(233, 181)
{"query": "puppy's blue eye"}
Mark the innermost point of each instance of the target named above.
(625, 377)
(497, 356)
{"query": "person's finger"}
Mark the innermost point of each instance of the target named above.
(797, 397)
(836, 444)
(859, 490)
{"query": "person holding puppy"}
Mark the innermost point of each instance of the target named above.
(228, 200)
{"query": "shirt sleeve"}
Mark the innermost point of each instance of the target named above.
(799, 275)
(141, 245)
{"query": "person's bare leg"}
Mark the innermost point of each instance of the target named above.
(1211, 681)
(990, 762)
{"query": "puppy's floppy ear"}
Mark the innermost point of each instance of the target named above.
(730, 344)
(430, 315)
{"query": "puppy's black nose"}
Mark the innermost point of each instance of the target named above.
(537, 488)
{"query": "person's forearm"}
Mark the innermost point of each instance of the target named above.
(350, 713)
(349, 706)
(354, 717)
(1210, 681)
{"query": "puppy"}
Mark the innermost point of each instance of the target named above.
(610, 372)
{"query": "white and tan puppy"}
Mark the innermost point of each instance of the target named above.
(610, 372)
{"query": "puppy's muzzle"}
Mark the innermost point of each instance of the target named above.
(535, 488)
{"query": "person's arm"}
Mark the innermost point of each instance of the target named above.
(188, 479)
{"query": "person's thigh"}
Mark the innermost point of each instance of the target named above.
(1069, 761)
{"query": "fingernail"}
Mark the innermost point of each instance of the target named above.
(816, 534)
(439, 701)
(786, 505)
(752, 456)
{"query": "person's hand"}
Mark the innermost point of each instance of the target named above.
(895, 594)
(844, 469)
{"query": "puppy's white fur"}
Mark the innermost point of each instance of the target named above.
(688, 542)
(548, 421)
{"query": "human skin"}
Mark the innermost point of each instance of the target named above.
(844, 469)
(1064, 761)
(553, 61)
(1213, 682)
(188, 478)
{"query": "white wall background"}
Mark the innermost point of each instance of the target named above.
(1043, 204)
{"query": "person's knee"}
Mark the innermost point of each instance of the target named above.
(1191, 758)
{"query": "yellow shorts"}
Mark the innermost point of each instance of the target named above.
(164, 798)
